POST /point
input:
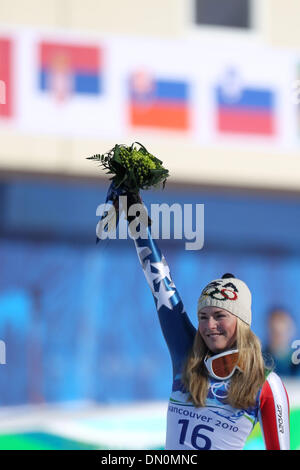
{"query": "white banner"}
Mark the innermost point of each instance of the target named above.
(110, 87)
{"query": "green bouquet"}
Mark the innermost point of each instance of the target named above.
(133, 167)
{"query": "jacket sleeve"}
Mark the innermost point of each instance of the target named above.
(274, 414)
(176, 327)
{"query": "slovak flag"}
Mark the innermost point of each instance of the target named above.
(6, 95)
(70, 69)
(245, 110)
(158, 103)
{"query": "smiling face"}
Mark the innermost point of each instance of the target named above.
(217, 328)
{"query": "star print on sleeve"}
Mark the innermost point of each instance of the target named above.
(163, 269)
(150, 275)
(164, 295)
(177, 329)
(158, 276)
(143, 252)
(161, 284)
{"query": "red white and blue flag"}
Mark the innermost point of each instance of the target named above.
(6, 91)
(158, 103)
(248, 110)
(70, 69)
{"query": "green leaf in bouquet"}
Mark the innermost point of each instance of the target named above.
(133, 167)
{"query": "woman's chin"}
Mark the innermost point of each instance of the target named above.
(216, 346)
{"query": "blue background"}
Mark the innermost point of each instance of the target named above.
(79, 320)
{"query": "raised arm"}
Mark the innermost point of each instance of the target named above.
(176, 327)
(274, 414)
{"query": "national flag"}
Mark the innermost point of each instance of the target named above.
(67, 69)
(158, 103)
(6, 91)
(249, 111)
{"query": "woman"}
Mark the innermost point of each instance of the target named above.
(221, 387)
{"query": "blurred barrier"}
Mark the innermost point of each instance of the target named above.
(139, 425)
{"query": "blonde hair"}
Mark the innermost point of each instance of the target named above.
(244, 384)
